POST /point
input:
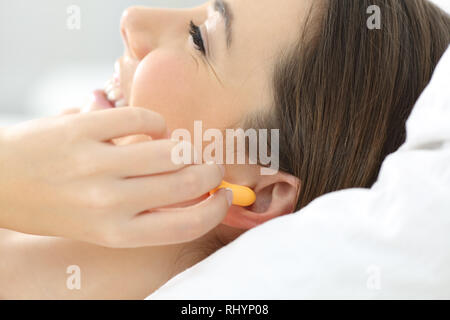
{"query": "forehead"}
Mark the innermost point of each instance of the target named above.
(261, 28)
(268, 21)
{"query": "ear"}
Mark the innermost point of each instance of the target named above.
(276, 195)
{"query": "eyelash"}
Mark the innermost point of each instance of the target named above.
(197, 38)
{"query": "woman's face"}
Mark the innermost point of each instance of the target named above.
(164, 70)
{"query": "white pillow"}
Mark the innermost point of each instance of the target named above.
(444, 4)
(392, 241)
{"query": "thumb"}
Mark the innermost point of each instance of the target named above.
(98, 101)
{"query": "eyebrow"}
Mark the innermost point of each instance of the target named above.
(223, 8)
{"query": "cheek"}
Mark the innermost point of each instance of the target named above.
(166, 82)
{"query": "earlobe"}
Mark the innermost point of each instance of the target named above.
(275, 196)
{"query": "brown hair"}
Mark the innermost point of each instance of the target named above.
(344, 92)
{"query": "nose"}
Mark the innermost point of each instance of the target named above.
(144, 29)
(133, 27)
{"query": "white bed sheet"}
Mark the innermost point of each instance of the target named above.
(389, 242)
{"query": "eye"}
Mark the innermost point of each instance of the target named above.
(197, 37)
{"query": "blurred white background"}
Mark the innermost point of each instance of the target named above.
(46, 67)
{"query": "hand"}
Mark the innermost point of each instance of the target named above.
(62, 177)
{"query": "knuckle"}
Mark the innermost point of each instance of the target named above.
(190, 182)
(88, 164)
(168, 150)
(110, 237)
(99, 198)
(159, 119)
(216, 174)
(144, 117)
(70, 131)
(138, 116)
(169, 155)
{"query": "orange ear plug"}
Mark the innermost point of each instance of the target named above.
(242, 196)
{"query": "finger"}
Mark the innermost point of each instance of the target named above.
(125, 141)
(98, 102)
(108, 124)
(70, 111)
(164, 190)
(145, 158)
(177, 225)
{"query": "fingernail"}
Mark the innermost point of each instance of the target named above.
(185, 152)
(230, 196)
